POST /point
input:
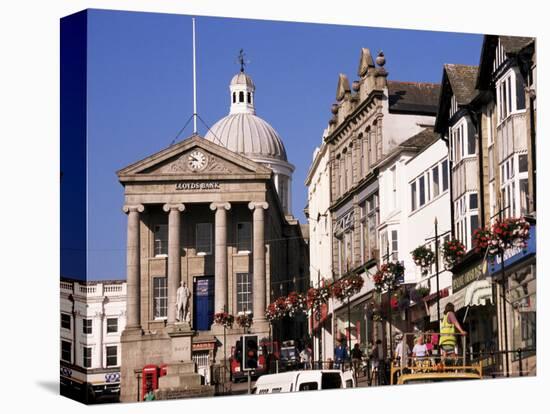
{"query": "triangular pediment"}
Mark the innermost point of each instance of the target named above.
(194, 157)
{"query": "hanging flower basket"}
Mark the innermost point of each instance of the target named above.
(423, 257)
(244, 319)
(346, 287)
(316, 297)
(422, 291)
(484, 240)
(453, 252)
(271, 313)
(224, 319)
(388, 275)
(511, 233)
(280, 307)
(295, 303)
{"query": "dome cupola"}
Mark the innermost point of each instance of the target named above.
(243, 132)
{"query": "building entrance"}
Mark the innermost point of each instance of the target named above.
(203, 302)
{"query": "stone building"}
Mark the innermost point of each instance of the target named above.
(457, 122)
(212, 213)
(506, 108)
(93, 315)
(487, 116)
(369, 120)
(320, 248)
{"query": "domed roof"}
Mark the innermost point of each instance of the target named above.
(247, 134)
(242, 78)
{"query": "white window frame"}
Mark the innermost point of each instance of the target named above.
(463, 218)
(460, 139)
(510, 188)
(70, 321)
(85, 326)
(107, 355)
(198, 248)
(244, 291)
(84, 357)
(107, 325)
(157, 298)
(70, 351)
(508, 82)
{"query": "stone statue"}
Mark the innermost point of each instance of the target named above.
(182, 303)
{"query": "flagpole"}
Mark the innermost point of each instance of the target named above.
(194, 82)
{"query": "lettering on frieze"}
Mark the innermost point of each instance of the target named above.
(200, 186)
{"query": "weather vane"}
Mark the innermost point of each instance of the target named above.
(242, 61)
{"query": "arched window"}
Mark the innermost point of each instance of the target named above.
(241, 96)
(248, 98)
(234, 97)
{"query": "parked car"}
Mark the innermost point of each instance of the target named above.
(308, 380)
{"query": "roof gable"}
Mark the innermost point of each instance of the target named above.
(174, 161)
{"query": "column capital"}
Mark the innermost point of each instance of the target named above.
(253, 205)
(133, 207)
(173, 206)
(216, 206)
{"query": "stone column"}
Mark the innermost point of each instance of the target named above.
(174, 256)
(220, 237)
(133, 265)
(258, 269)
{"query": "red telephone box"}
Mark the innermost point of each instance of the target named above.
(149, 379)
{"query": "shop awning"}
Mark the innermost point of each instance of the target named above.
(478, 293)
(456, 298)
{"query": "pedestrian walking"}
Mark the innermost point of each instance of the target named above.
(402, 350)
(305, 358)
(356, 358)
(340, 355)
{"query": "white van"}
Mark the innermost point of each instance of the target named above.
(310, 380)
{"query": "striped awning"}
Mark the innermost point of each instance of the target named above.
(477, 293)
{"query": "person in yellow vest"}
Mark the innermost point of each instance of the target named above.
(448, 328)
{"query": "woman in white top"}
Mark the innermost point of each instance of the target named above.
(420, 351)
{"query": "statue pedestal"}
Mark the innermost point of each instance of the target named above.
(181, 379)
(181, 337)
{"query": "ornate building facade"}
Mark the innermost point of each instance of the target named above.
(212, 213)
(370, 120)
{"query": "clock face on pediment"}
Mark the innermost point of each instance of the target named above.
(197, 160)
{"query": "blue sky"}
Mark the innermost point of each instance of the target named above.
(140, 92)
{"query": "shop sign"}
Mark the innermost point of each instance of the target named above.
(198, 185)
(513, 256)
(112, 377)
(201, 346)
(461, 280)
(443, 293)
(66, 372)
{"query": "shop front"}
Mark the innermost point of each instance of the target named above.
(473, 297)
(519, 271)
